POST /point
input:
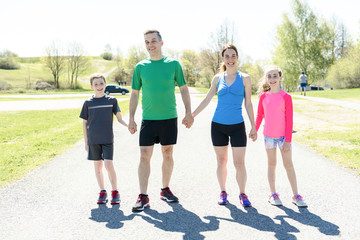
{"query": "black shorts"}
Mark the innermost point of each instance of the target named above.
(158, 131)
(100, 151)
(221, 133)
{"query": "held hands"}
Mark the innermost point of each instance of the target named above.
(188, 120)
(132, 126)
(253, 134)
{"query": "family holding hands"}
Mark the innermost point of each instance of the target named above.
(157, 77)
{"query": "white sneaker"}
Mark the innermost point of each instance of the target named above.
(275, 200)
(298, 201)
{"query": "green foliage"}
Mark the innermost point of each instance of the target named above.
(255, 71)
(8, 63)
(191, 67)
(107, 56)
(345, 73)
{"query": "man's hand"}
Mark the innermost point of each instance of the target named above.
(188, 120)
(132, 126)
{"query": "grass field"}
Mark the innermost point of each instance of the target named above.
(339, 94)
(32, 138)
(330, 130)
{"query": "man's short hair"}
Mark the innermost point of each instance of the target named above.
(96, 75)
(153, 31)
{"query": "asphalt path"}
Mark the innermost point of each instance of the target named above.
(58, 200)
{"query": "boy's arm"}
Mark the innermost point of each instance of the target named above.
(134, 98)
(85, 130)
(120, 120)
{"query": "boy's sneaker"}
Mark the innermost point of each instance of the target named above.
(102, 197)
(115, 197)
(223, 198)
(274, 199)
(141, 203)
(244, 200)
(298, 201)
(167, 195)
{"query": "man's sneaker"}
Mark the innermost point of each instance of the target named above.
(275, 200)
(167, 195)
(298, 201)
(223, 198)
(102, 197)
(115, 197)
(244, 200)
(141, 203)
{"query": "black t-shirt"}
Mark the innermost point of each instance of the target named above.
(99, 114)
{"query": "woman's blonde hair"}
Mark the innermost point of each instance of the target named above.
(263, 85)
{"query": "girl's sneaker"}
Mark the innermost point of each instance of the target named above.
(274, 199)
(244, 200)
(223, 198)
(298, 201)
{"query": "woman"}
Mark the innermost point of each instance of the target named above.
(227, 124)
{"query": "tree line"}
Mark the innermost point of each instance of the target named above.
(304, 42)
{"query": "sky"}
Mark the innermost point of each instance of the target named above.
(28, 27)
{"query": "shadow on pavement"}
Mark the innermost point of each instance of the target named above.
(307, 218)
(113, 216)
(180, 220)
(252, 218)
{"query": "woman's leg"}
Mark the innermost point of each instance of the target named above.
(239, 163)
(221, 171)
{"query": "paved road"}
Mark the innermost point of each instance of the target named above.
(58, 200)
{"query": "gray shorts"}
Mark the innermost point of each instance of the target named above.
(100, 151)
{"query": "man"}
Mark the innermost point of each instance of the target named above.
(303, 83)
(157, 77)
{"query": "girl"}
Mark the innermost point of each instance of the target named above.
(232, 87)
(275, 106)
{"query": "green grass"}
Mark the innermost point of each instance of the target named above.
(339, 94)
(55, 98)
(202, 90)
(32, 138)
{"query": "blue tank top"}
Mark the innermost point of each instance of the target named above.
(230, 99)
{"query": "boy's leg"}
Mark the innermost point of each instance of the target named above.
(111, 173)
(144, 167)
(98, 164)
(271, 154)
(289, 167)
(168, 164)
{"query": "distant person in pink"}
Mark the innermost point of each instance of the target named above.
(275, 105)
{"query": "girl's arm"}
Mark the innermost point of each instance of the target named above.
(209, 96)
(260, 113)
(85, 130)
(288, 118)
(249, 106)
(120, 120)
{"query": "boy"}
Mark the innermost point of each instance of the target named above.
(97, 114)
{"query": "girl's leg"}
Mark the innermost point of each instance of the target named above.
(271, 154)
(239, 163)
(99, 173)
(111, 173)
(221, 171)
(289, 167)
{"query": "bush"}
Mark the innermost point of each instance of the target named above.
(107, 56)
(8, 63)
(43, 86)
(5, 86)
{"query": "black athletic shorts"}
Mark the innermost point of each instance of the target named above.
(221, 133)
(158, 131)
(100, 151)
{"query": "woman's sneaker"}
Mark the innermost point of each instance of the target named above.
(102, 197)
(167, 195)
(298, 201)
(223, 198)
(141, 203)
(244, 200)
(115, 197)
(274, 199)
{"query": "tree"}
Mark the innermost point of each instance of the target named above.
(77, 62)
(302, 46)
(190, 65)
(135, 55)
(8, 60)
(107, 54)
(55, 61)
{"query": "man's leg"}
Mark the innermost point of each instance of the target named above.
(168, 164)
(144, 167)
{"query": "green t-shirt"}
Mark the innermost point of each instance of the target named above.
(157, 80)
